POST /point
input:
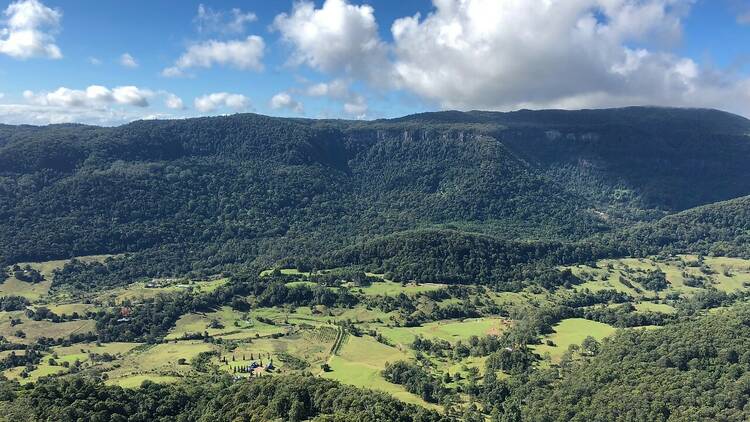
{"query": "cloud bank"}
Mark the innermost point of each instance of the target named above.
(511, 54)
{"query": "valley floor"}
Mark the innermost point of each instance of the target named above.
(352, 344)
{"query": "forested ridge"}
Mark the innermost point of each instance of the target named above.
(721, 229)
(206, 195)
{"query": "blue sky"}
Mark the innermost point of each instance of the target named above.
(63, 61)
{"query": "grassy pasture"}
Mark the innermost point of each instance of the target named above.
(572, 331)
(360, 363)
(36, 329)
(235, 326)
(157, 363)
(738, 270)
(293, 284)
(70, 308)
(285, 271)
(321, 315)
(6, 353)
(135, 381)
(111, 348)
(138, 291)
(69, 354)
(655, 307)
(447, 330)
(385, 287)
(727, 274)
(36, 291)
(390, 288)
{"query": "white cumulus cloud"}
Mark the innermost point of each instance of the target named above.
(244, 54)
(212, 102)
(339, 90)
(489, 54)
(29, 30)
(128, 61)
(284, 100)
(43, 115)
(338, 38)
(131, 95)
(173, 102)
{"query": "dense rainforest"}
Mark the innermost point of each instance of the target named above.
(202, 196)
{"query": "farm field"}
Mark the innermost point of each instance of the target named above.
(71, 308)
(139, 291)
(31, 330)
(654, 307)
(350, 342)
(65, 357)
(156, 362)
(390, 288)
(572, 331)
(685, 274)
(359, 363)
(451, 331)
(35, 291)
(225, 323)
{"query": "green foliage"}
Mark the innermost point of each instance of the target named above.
(27, 274)
(693, 370)
(13, 303)
(416, 380)
(654, 280)
(290, 398)
(721, 229)
(449, 256)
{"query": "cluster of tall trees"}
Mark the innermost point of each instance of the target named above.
(474, 346)
(13, 303)
(288, 398)
(415, 380)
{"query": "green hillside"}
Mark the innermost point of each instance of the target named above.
(205, 195)
(721, 229)
(691, 371)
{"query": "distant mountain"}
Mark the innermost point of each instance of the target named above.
(210, 194)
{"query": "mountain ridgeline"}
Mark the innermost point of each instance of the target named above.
(202, 196)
